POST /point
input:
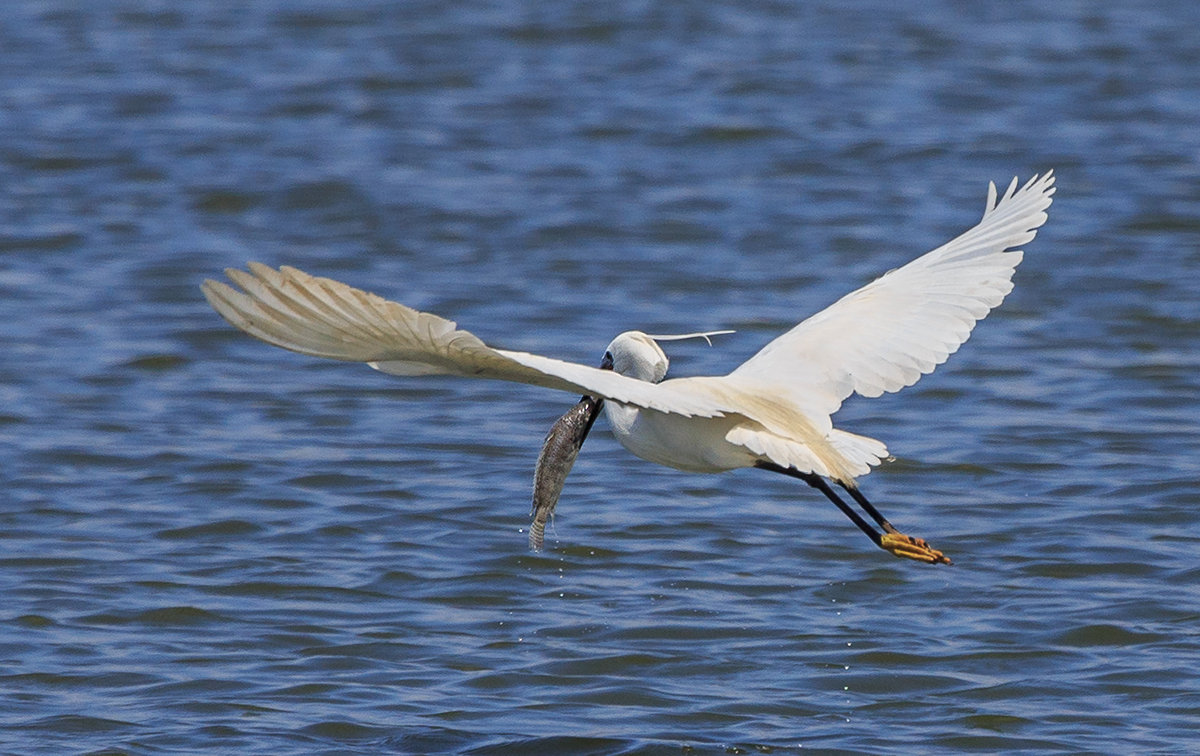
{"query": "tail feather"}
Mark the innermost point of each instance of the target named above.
(861, 453)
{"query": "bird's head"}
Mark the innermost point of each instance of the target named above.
(636, 355)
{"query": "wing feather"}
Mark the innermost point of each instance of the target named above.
(326, 318)
(889, 333)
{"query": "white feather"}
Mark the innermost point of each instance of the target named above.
(889, 333)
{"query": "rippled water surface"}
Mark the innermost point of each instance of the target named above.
(211, 545)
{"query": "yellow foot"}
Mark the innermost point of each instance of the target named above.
(912, 548)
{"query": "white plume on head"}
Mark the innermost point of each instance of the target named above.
(681, 336)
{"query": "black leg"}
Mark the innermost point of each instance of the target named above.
(869, 508)
(817, 482)
(890, 540)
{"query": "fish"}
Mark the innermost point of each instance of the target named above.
(555, 461)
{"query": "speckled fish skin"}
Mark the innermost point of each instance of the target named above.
(555, 461)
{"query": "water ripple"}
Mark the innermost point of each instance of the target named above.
(207, 545)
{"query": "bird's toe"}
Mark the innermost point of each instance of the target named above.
(908, 547)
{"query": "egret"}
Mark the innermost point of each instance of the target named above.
(773, 412)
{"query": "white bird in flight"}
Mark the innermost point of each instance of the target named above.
(774, 411)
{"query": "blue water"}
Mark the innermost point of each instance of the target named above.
(211, 545)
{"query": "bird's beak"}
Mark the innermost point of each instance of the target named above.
(558, 454)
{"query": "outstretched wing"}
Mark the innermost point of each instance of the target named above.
(901, 326)
(327, 318)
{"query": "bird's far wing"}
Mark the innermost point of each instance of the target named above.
(899, 327)
(327, 318)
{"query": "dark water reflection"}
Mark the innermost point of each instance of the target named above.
(210, 545)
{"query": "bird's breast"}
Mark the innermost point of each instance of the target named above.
(696, 444)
